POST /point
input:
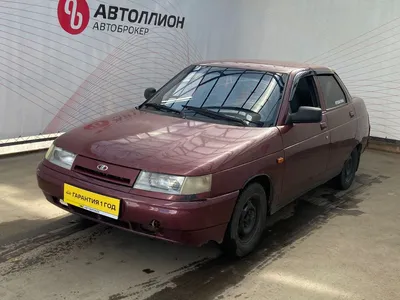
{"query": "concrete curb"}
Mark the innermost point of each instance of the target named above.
(386, 145)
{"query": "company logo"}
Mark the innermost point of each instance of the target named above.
(97, 125)
(73, 15)
(102, 168)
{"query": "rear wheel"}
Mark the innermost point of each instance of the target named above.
(247, 223)
(346, 177)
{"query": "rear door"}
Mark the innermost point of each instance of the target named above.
(342, 120)
(306, 146)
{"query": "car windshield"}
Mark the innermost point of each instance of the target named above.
(241, 96)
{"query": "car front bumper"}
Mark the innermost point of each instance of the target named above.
(194, 223)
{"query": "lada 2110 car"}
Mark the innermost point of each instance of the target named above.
(212, 154)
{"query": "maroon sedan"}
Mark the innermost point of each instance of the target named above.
(212, 154)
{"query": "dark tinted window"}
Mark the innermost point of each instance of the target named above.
(304, 94)
(333, 93)
(248, 94)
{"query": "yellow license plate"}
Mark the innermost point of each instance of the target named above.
(99, 204)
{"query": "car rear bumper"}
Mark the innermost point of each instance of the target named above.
(194, 223)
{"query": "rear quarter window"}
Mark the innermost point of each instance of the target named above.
(332, 92)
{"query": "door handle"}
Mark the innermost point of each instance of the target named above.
(351, 113)
(323, 125)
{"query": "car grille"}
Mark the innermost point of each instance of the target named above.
(117, 223)
(131, 226)
(104, 176)
(115, 174)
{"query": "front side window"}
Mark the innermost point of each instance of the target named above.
(332, 92)
(304, 94)
(249, 95)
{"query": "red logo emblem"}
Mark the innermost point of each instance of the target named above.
(97, 124)
(73, 15)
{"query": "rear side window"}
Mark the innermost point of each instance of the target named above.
(333, 93)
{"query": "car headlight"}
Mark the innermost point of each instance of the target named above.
(60, 157)
(171, 184)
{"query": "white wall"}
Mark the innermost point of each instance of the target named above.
(52, 81)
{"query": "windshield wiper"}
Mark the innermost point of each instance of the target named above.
(258, 123)
(232, 108)
(213, 114)
(162, 107)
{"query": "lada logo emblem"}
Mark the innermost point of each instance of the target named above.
(102, 168)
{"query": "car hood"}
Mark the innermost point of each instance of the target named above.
(160, 143)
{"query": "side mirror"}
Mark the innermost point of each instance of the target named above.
(306, 114)
(149, 92)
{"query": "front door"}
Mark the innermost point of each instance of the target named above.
(306, 146)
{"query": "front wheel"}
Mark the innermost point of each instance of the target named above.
(346, 177)
(247, 223)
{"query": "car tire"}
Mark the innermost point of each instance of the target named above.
(346, 177)
(247, 222)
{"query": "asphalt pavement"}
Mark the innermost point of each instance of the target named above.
(330, 245)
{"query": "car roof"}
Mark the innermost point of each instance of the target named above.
(265, 65)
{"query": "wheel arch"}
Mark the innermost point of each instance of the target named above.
(265, 181)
